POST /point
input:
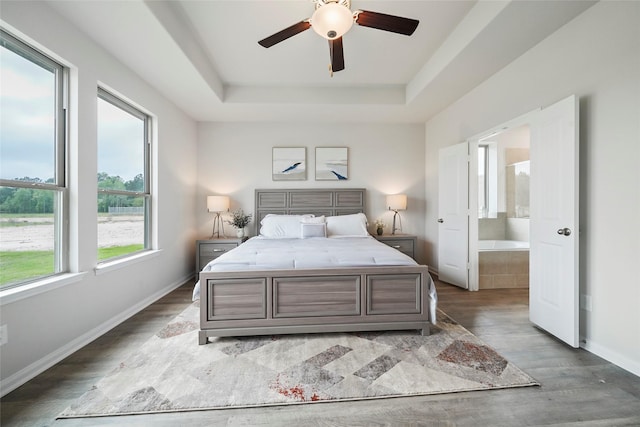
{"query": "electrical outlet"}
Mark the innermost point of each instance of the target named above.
(4, 334)
(585, 302)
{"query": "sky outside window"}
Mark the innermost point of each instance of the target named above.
(27, 127)
(120, 142)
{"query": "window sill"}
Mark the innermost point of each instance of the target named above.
(41, 286)
(108, 266)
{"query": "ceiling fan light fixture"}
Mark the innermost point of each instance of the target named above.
(332, 20)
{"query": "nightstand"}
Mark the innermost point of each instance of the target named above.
(405, 243)
(210, 249)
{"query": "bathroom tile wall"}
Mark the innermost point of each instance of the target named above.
(492, 228)
(517, 229)
(504, 269)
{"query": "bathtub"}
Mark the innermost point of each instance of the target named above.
(502, 245)
(503, 264)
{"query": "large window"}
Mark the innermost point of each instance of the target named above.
(123, 178)
(33, 191)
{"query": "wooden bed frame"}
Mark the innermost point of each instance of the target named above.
(267, 302)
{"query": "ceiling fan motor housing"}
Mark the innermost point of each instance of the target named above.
(332, 19)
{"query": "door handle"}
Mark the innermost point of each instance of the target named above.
(564, 231)
(440, 220)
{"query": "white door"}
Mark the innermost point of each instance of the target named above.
(553, 293)
(453, 215)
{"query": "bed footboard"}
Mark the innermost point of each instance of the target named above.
(270, 302)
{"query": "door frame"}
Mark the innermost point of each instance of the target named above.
(474, 265)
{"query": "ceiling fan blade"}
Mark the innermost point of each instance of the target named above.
(285, 34)
(382, 21)
(337, 54)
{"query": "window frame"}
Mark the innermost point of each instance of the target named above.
(59, 186)
(146, 118)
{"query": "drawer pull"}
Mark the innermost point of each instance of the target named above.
(219, 250)
(396, 247)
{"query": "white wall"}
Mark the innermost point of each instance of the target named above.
(235, 159)
(597, 57)
(45, 327)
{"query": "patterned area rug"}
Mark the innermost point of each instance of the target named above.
(171, 372)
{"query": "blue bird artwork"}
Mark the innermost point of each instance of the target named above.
(338, 175)
(292, 167)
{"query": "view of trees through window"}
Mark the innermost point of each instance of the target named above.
(122, 185)
(27, 225)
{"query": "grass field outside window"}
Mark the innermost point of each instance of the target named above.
(21, 266)
(27, 243)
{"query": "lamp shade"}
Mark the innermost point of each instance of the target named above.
(217, 203)
(331, 20)
(397, 202)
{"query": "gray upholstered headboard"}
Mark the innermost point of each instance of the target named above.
(320, 201)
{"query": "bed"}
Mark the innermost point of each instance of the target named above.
(308, 271)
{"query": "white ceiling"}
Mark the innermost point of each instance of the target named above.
(204, 54)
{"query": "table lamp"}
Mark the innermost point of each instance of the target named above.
(217, 205)
(395, 203)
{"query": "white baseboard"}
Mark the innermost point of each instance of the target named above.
(625, 363)
(36, 368)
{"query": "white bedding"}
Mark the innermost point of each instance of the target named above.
(259, 253)
(264, 253)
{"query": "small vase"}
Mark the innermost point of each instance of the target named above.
(240, 233)
(379, 231)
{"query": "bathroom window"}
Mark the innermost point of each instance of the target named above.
(483, 183)
(518, 190)
(488, 180)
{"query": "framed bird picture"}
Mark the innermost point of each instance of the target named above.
(289, 164)
(332, 163)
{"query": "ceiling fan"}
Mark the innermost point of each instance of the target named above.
(333, 18)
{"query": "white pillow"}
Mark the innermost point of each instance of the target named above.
(313, 220)
(281, 226)
(347, 226)
(313, 230)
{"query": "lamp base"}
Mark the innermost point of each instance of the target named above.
(217, 224)
(394, 228)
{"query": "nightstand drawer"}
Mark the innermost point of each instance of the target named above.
(214, 250)
(403, 245)
(208, 250)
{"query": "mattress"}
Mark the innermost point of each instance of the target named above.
(264, 253)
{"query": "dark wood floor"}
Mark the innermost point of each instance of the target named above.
(578, 388)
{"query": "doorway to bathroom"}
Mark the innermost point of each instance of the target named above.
(553, 222)
(500, 205)
(503, 176)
